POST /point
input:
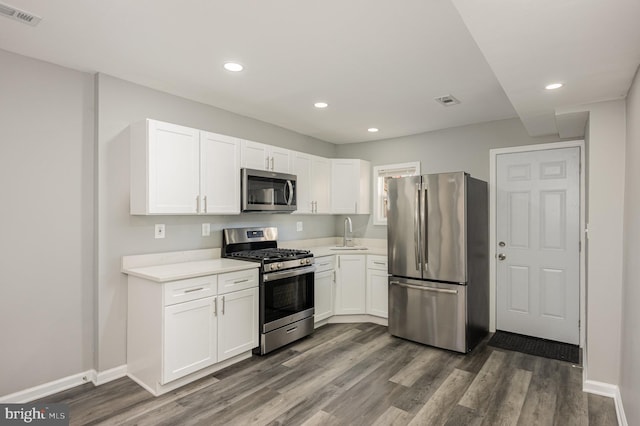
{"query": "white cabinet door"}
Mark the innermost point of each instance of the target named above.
(377, 293)
(350, 186)
(323, 294)
(237, 323)
(260, 156)
(280, 159)
(321, 184)
(190, 341)
(165, 168)
(350, 285)
(220, 174)
(255, 155)
(313, 183)
(302, 169)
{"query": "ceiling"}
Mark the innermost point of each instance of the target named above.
(377, 63)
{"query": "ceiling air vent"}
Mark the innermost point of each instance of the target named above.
(19, 15)
(447, 100)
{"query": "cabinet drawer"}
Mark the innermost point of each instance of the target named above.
(240, 280)
(377, 262)
(325, 263)
(190, 289)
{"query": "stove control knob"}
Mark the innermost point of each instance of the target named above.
(280, 265)
(308, 261)
(274, 266)
(302, 261)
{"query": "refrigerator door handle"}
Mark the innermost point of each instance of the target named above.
(424, 230)
(418, 235)
(419, 287)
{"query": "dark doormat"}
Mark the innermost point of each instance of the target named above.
(535, 346)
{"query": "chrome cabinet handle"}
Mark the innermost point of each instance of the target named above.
(191, 290)
(266, 167)
(241, 281)
(271, 163)
(205, 204)
(197, 204)
(502, 256)
(222, 305)
(215, 306)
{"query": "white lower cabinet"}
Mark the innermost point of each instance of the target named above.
(237, 323)
(350, 284)
(324, 284)
(190, 337)
(178, 328)
(377, 286)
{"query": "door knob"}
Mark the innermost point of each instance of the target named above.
(502, 256)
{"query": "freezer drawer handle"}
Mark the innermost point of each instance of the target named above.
(417, 287)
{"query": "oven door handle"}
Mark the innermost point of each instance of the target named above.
(272, 276)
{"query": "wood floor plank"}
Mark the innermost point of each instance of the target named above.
(436, 410)
(322, 418)
(411, 372)
(323, 347)
(393, 417)
(601, 411)
(478, 394)
(508, 403)
(540, 403)
(572, 403)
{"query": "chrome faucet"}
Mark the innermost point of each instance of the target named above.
(346, 241)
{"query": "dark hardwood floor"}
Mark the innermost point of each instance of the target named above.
(358, 374)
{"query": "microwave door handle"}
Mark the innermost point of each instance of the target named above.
(289, 186)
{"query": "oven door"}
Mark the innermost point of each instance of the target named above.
(286, 297)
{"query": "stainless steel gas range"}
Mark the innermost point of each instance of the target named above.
(286, 284)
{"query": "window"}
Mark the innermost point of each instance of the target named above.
(381, 175)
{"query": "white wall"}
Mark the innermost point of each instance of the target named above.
(630, 338)
(121, 103)
(605, 186)
(46, 246)
(463, 148)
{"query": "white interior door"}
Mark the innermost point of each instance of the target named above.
(538, 243)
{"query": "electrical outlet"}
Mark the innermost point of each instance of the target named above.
(299, 226)
(160, 230)
(206, 229)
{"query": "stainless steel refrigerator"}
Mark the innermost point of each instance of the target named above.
(439, 260)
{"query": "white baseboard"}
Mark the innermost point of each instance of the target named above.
(46, 389)
(611, 391)
(107, 376)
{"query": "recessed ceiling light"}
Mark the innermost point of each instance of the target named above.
(553, 86)
(372, 130)
(233, 66)
(321, 105)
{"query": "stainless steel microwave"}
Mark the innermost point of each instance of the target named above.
(269, 192)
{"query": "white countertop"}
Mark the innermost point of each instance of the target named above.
(171, 266)
(184, 270)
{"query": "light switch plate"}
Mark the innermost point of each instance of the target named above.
(299, 226)
(206, 229)
(160, 230)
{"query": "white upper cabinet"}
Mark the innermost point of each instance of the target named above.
(313, 182)
(350, 186)
(180, 170)
(260, 156)
(220, 173)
